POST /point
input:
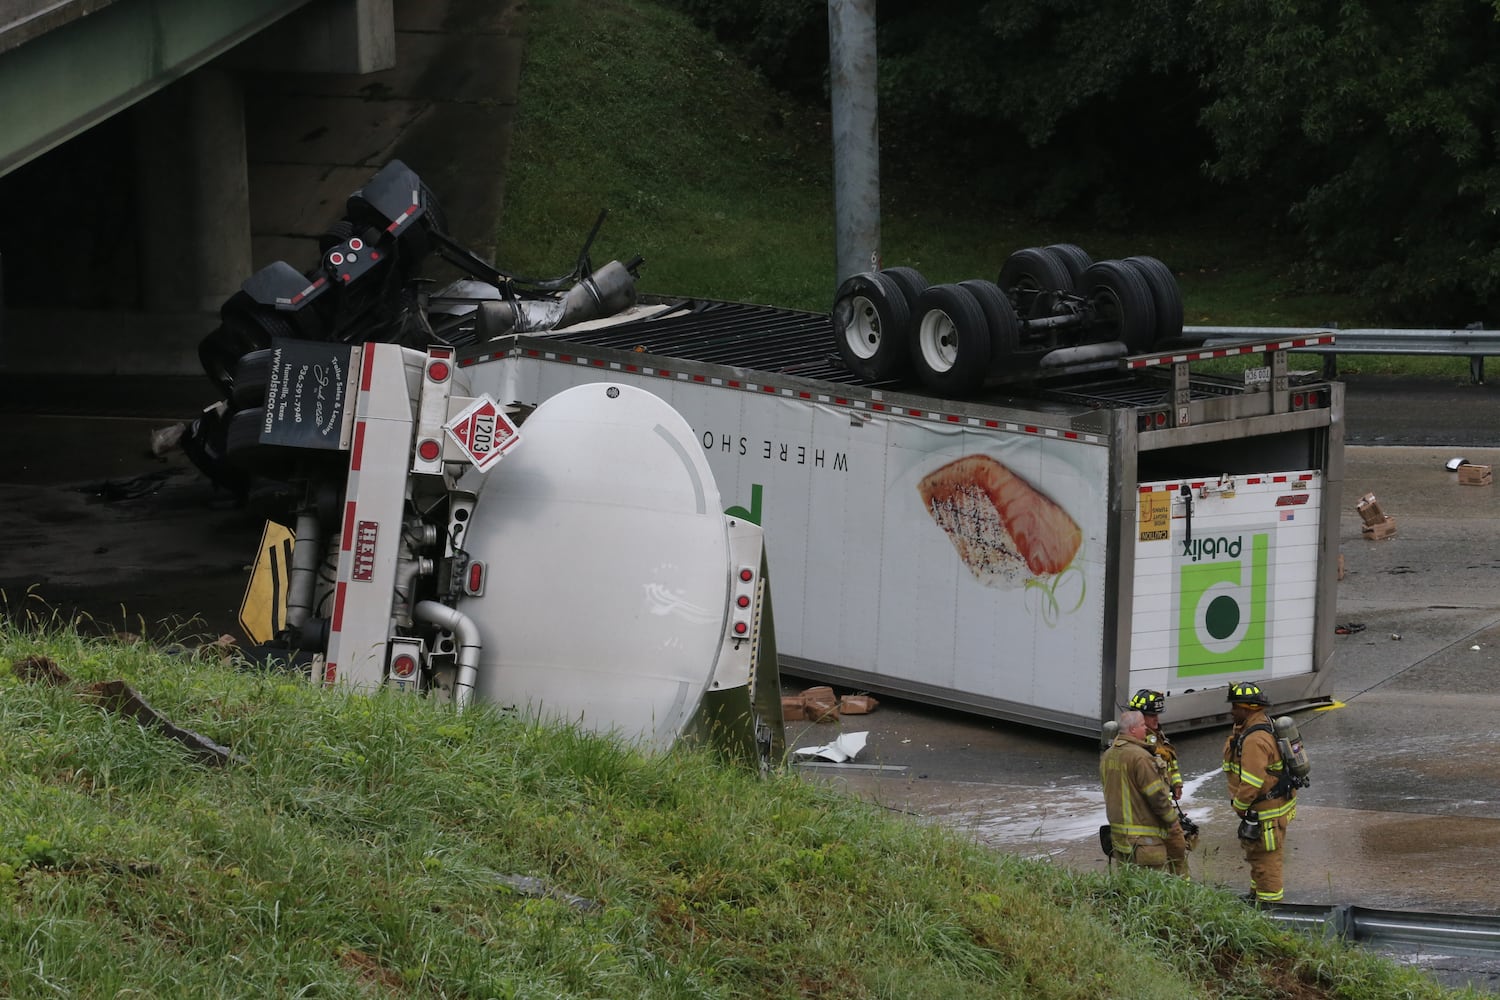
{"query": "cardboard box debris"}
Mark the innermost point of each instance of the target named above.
(1475, 475)
(1341, 565)
(820, 704)
(1369, 510)
(1375, 532)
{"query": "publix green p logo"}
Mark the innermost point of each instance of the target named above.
(1222, 603)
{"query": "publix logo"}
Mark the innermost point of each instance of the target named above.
(1223, 602)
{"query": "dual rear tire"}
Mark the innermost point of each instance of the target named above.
(1135, 301)
(871, 325)
(950, 348)
(891, 324)
(964, 335)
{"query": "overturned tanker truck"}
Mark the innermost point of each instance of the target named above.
(580, 569)
(1021, 498)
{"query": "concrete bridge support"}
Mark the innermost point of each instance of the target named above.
(126, 161)
(194, 193)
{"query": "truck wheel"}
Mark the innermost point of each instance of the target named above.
(243, 449)
(1121, 304)
(1073, 257)
(871, 323)
(203, 444)
(221, 350)
(251, 376)
(1000, 318)
(911, 282)
(1166, 296)
(1032, 278)
(951, 342)
(262, 322)
(272, 500)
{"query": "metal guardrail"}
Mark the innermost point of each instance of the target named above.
(1401, 930)
(1474, 343)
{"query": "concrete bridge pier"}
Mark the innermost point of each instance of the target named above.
(156, 152)
(194, 191)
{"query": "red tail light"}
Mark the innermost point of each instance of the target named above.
(744, 602)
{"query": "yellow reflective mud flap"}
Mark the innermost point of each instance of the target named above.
(263, 609)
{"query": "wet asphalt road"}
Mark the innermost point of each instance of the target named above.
(1441, 413)
(1404, 810)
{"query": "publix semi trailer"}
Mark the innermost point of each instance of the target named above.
(1035, 554)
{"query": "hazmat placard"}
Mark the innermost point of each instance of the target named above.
(483, 432)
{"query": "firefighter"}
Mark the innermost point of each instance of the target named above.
(1263, 801)
(1151, 705)
(1142, 815)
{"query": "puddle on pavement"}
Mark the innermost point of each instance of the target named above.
(1429, 839)
(1417, 861)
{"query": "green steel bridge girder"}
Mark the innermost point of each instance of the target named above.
(57, 84)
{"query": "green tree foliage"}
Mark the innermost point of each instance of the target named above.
(787, 40)
(1367, 127)
(1372, 125)
(1044, 105)
(1065, 103)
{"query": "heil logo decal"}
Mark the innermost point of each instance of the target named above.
(1223, 602)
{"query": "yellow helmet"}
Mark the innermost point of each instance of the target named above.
(1247, 693)
(1148, 701)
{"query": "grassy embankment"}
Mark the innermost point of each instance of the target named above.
(364, 847)
(724, 187)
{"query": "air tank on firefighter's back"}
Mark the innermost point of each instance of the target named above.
(1289, 742)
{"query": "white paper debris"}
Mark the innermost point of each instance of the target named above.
(845, 748)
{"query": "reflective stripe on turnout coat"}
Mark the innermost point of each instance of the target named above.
(1136, 797)
(1254, 771)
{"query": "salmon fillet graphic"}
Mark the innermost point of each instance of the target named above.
(1003, 528)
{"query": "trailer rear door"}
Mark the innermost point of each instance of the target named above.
(1226, 576)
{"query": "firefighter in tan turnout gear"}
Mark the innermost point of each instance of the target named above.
(1260, 792)
(1137, 799)
(1151, 705)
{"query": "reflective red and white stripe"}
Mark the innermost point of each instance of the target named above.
(874, 405)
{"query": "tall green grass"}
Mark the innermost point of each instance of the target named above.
(367, 846)
(721, 184)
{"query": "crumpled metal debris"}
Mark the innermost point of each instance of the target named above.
(122, 699)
